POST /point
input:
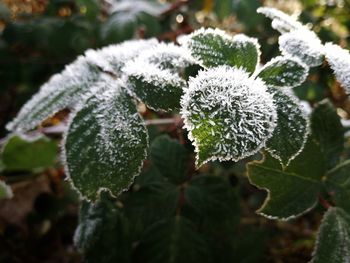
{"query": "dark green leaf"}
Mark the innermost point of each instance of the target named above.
(25, 153)
(106, 142)
(338, 182)
(333, 244)
(103, 232)
(328, 131)
(284, 72)
(171, 158)
(173, 240)
(292, 129)
(213, 47)
(293, 190)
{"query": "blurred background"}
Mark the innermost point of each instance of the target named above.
(39, 37)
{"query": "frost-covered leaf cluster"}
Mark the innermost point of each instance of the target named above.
(298, 40)
(229, 109)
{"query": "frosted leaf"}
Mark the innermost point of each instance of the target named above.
(339, 60)
(280, 21)
(134, 7)
(106, 142)
(303, 44)
(113, 58)
(214, 47)
(5, 191)
(61, 91)
(333, 240)
(293, 190)
(154, 76)
(284, 72)
(229, 115)
(292, 130)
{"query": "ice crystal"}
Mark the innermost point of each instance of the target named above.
(339, 60)
(61, 91)
(303, 44)
(214, 47)
(106, 141)
(280, 21)
(228, 114)
(113, 58)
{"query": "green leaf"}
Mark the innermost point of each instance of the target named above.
(5, 191)
(61, 91)
(291, 191)
(211, 199)
(328, 131)
(290, 135)
(333, 238)
(28, 153)
(103, 232)
(228, 114)
(338, 182)
(284, 72)
(106, 142)
(154, 76)
(213, 47)
(172, 240)
(171, 158)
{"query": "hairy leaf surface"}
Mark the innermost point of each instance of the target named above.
(333, 241)
(291, 191)
(106, 142)
(213, 47)
(292, 130)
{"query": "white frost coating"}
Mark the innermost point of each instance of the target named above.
(303, 44)
(295, 111)
(286, 76)
(5, 191)
(136, 6)
(280, 21)
(339, 60)
(236, 110)
(187, 41)
(166, 56)
(112, 58)
(112, 122)
(61, 91)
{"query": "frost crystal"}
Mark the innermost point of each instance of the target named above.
(61, 91)
(229, 115)
(106, 142)
(280, 21)
(303, 44)
(112, 58)
(339, 60)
